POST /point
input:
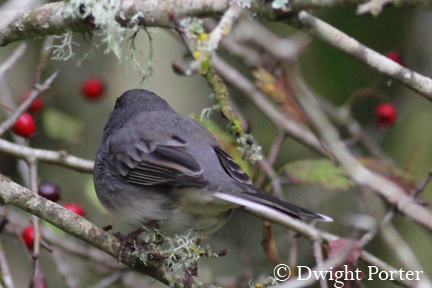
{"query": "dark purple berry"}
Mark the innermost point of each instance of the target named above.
(49, 191)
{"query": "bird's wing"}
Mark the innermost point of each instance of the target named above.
(150, 162)
(232, 168)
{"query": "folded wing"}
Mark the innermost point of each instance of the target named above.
(147, 162)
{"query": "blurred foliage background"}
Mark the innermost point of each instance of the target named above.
(332, 74)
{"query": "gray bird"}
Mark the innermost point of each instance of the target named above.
(157, 166)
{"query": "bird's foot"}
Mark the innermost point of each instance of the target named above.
(191, 272)
(107, 227)
(127, 240)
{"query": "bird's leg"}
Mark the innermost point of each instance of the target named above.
(107, 227)
(190, 273)
(127, 240)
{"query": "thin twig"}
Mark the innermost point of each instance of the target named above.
(35, 220)
(249, 56)
(366, 238)
(5, 276)
(282, 48)
(319, 258)
(335, 261)
(403, 251)
(12, 59)
(292, 129)
(275, 184)
(43, 58)
(18, 232)
(420, 188)
(293, 251)
(267, 166)
(26, 104)
(224, 26)
(357, 172)
(37, 272)
(64, 268)
(59, 158)
(9, 100)
(268, 244)
(277, 144)
(109, 280)
(380, 63)
(342, 116)
(374, 7)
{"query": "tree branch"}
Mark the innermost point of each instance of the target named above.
(293, 129)
(26, 104)
(50, 19)
(12, 59)
(380, 63)
(403, 251)
(6, 280)
(73, 224)
(225, 25)
(58, 158)
(358, 173)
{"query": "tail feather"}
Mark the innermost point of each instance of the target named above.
(258, 201)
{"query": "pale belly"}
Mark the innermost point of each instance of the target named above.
(195, 212)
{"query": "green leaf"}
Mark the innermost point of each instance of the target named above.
(61, 126)
(321, 172)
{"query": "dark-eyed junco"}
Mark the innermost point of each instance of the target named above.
(157, 166)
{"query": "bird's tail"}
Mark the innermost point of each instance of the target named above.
(259, 203)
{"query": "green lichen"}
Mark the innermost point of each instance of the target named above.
(250, 149)
(202, 51)
(145, 71)
(111, 34)
(205, 113)
(194, 30)
(103, 13)
(268, 282)
(281, 5)
(193, 26)
(64, 50)
(180, 253)
(241, 3)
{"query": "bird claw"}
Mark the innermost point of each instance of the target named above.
(127, 240)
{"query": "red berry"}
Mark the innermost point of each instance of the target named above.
(28, 236)
(24, 126)
(385, 114)
(49, 191)
(92, 88)
(396, 57)
(36, 105)
(75, 208)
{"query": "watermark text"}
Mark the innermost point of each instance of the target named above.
(343, 273)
